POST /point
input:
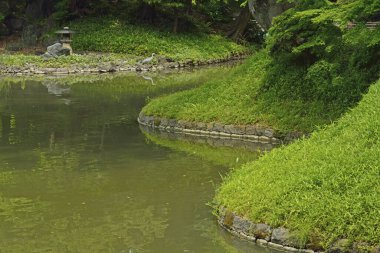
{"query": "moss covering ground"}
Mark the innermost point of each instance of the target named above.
(325, 187)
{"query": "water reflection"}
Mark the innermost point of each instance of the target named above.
(82, 177)
(148, 78)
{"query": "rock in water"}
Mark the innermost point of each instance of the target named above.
(56, 50)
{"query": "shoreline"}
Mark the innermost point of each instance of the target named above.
(110, 67)
(261, 234)
(281, 238)
(251, 133)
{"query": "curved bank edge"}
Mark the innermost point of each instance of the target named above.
(253, 133)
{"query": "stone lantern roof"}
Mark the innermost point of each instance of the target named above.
(65, 30)
(65, 34)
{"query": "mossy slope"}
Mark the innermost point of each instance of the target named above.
(326, 187)
(237, 99)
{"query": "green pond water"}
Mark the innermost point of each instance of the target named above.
(78, 174)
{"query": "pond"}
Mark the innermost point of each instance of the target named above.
(77, 174)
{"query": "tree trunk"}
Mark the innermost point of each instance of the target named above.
(148, 12)
(73, 6)
(189, 7)
(175, 25)
(241, 24)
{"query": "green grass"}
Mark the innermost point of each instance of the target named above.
(113, 35)
(237, 99)
(324, 187)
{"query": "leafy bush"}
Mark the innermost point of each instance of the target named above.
(314, 57)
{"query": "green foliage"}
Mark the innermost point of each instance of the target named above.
(113, 35)
(238, 99)
(316, 58)
(313, 72)
(327, 185)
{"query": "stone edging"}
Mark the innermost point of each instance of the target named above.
(281, 238)
(253, 133)
(108, 67)
(260, 233)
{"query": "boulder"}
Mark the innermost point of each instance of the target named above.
(241, 225)
(261, 231)
(283, 236)
(363, 247)
(265, 10)
(56, 50)
(341, 246)
(218, 127)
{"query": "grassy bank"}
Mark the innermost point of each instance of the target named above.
(323, 188)
(238, 99)
(312, 70)
(112, 41)
(113, 35)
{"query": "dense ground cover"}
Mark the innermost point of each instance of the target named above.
(114, 35)
(323, 188)
(237, 99)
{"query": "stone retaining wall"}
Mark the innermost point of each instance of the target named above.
(262, 234)
(253, 133)
(282, 239)
(107, 67)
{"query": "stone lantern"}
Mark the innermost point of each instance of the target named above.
(66, 38)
